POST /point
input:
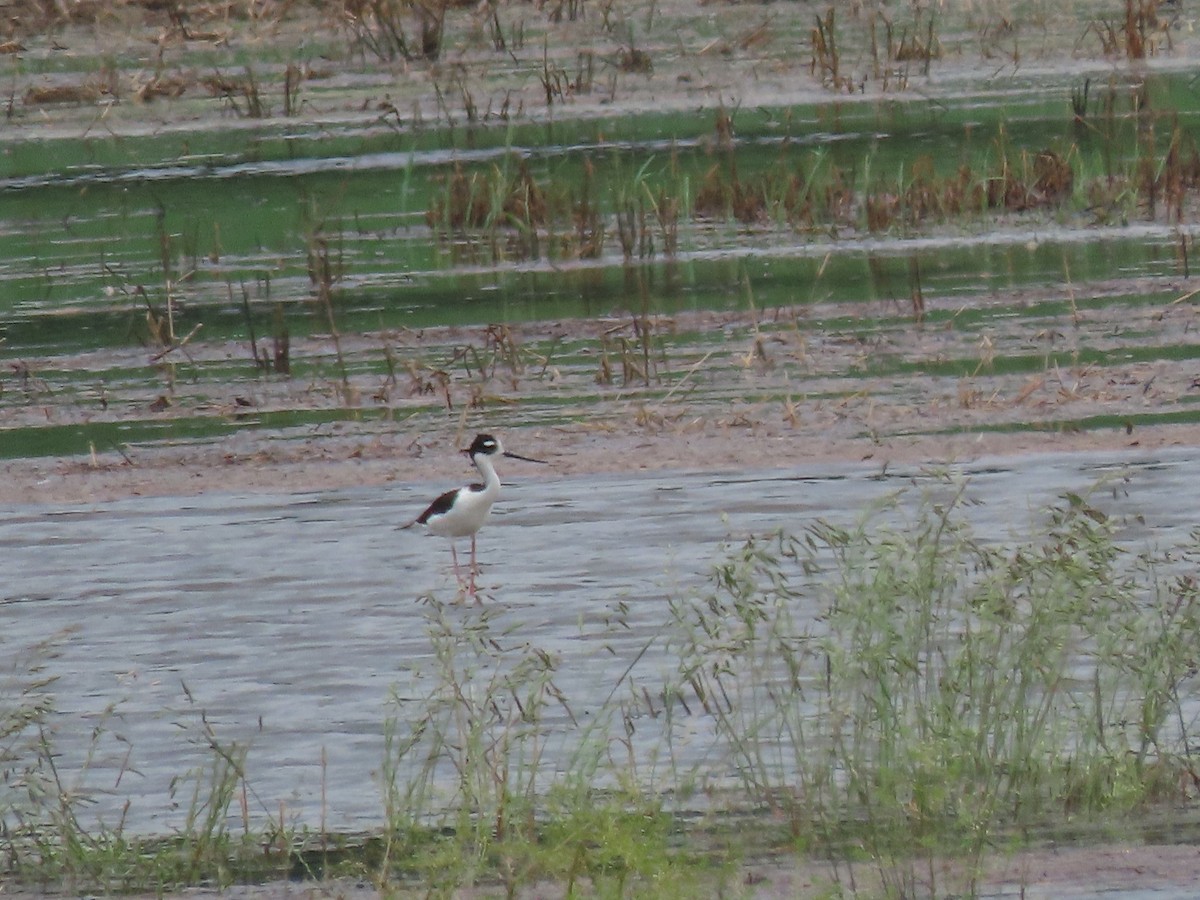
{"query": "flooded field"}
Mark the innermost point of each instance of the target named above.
(940, 249)
(729, 269)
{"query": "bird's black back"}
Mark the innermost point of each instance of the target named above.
(438, 507)
(442, 504)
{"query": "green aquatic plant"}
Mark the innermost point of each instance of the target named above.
(474, 786)
(945, 691)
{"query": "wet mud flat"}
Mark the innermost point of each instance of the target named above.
(1125, 871)
(734, 392)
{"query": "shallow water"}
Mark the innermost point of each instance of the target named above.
(291, 618)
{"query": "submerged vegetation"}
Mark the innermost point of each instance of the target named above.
(882, 696)
(803, 189)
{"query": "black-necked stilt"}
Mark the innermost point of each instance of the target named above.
(462, 511)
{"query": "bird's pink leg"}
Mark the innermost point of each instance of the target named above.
(454, 556)
(474, 567)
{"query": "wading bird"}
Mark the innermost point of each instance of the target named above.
(462, 511)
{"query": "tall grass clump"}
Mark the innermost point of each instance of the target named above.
(50, 837)
(897, 691)
(489, 776)
(26, 705)
(943, 693)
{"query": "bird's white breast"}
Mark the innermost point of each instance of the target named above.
(466, 516)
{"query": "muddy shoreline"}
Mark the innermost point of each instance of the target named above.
(338, 463)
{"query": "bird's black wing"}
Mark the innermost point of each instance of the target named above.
(438, 507)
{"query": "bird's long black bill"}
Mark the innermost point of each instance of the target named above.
(525, 458)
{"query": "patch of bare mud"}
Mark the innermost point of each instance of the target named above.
(1171, 872)
(137, 71)
(333, 463)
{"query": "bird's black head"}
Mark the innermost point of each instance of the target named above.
(485, 444)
